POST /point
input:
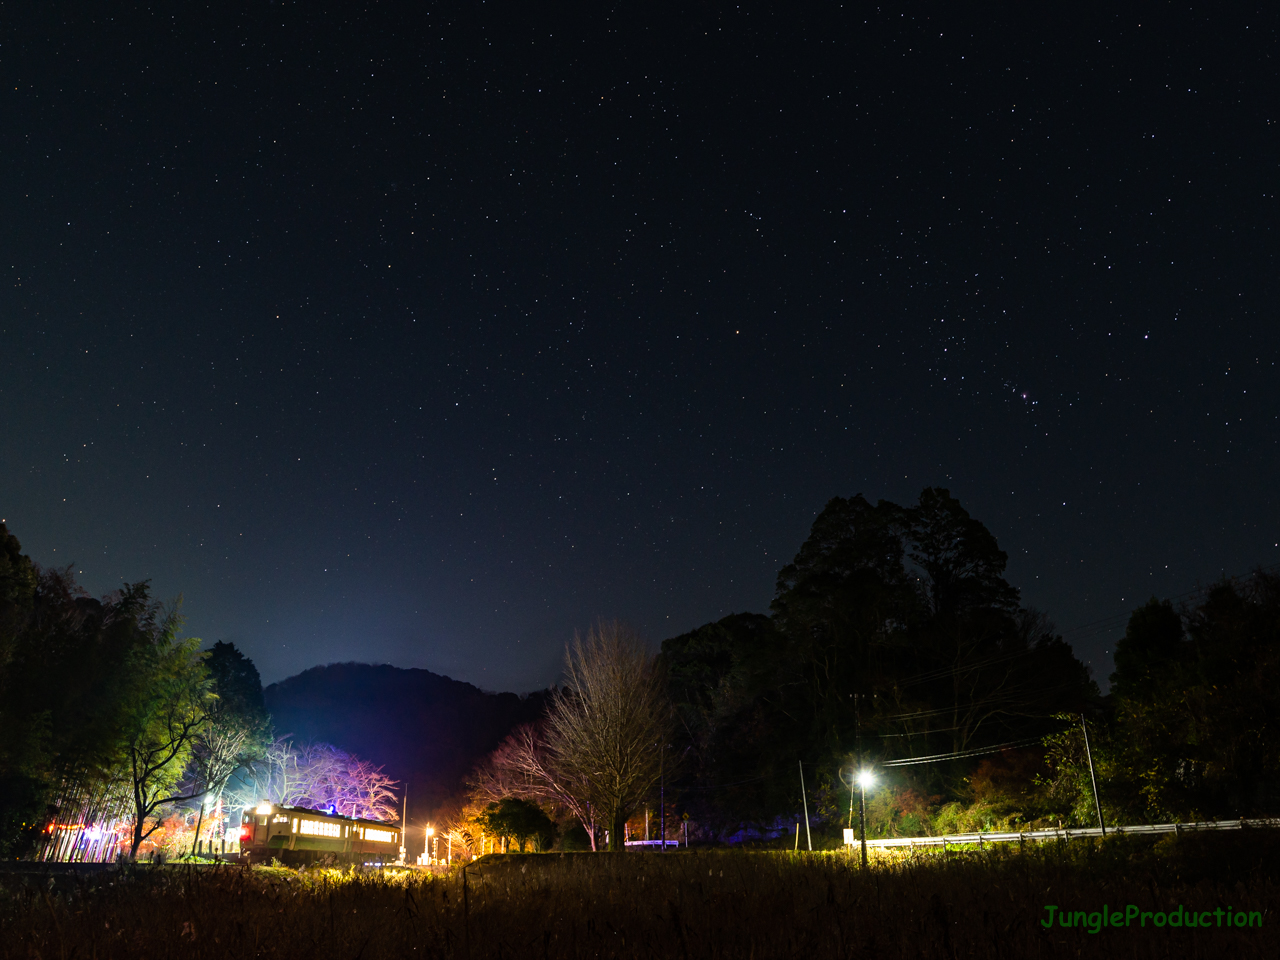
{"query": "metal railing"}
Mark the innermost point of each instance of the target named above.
(659, 844)
(1069, 833)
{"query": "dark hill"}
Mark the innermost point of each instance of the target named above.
(426, 730)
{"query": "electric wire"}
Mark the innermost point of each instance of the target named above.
(960, 754)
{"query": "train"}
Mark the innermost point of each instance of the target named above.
(296, 836)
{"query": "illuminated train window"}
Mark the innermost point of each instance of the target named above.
(318, 828)
(386, 836)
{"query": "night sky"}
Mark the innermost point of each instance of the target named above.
(425, 334)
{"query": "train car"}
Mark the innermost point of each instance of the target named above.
(296, 836)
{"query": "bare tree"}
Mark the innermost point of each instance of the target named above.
(274, 776)
(365, 791)
(217, 752)
(605, 726)
(319, 776)
(522, 766)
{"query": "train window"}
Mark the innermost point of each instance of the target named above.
(318, 828)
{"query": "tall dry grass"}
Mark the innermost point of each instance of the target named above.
(687, 905)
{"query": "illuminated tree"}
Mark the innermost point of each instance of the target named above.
(522, 766)
(169, 714)
(520, 820)
(318, 776)
(237, 730)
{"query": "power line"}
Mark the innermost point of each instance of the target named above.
(939, 711)
(925, 733)
(959, 754)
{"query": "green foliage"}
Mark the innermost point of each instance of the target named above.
(102, 702)
(894, 635)
(901, 812)
(17, 592)
(71, 691)
(519, 820)
(1190, 732)
(237, 687)
(163, 725)
(575, 839)
(982, 816)
(1066, 787)
(237, 731)
(1197, 704)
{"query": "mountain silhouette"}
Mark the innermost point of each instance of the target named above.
(425, 730)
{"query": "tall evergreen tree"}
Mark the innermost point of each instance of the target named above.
(894, 634)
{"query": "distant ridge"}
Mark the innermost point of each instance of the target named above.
(423, 728)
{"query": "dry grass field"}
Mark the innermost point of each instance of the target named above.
(685, 905)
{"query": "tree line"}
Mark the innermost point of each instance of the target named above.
(894, 643)
(112, 715)
(1191, 727)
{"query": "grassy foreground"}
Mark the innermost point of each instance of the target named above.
(686, 905)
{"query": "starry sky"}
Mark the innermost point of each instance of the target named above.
(428, 333)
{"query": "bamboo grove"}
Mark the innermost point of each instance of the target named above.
(111, 715)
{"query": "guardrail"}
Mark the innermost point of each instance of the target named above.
(660, 844)
(1069, 833)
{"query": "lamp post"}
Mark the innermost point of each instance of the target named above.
(426, 850)
(865, 779)
(853, 783)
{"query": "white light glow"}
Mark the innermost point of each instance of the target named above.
(318, 828)
(866, 779)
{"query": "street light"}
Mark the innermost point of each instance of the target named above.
(426, 853)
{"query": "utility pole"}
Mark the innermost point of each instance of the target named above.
(853, 780)
(864, 777)
(404, 827)
(804, 800)
(1092, 776)
(662, 797)
(857, 728)
(862, 814)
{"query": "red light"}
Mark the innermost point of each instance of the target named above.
(246, 834)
